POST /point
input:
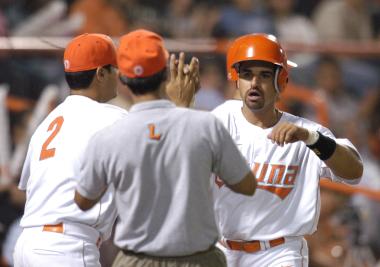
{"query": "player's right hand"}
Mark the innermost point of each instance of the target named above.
(184, 80)
(286, 132)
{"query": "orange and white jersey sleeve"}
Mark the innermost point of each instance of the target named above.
(51, 168)
(286, 202)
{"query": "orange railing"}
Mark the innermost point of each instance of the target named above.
(55, 45)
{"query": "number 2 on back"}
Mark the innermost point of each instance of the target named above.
(54, 126)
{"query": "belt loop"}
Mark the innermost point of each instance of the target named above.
(266, 245)
(223, 241)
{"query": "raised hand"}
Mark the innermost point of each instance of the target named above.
(184, 80)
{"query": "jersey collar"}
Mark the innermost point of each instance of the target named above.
(162, 103)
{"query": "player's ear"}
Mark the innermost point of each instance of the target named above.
(100, 73)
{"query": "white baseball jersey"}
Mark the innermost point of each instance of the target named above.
(286, 202)
(51, 168)
(160, 161)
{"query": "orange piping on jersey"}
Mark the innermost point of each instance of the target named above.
(152, 134)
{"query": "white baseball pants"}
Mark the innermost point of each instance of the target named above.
(37, 248)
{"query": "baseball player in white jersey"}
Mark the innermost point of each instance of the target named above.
(288, 155)
(55, 231)
(160, 159)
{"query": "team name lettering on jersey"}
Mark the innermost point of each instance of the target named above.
(152, 134)
(278, 179)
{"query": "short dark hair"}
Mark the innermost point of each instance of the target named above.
(82, 79)
(141, 86)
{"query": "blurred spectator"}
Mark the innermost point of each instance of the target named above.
(342, 107)
(139, 14)
(291, 28)
(177, 21)
(100, 16)
(375, 18)
(12, 235)
(39, 22)
(343, 20)
(212, 87)
(3, 24)
(349, 20)
(27, 76)
(187, 19)
(328, 246)
(12, 200)
(369, 210)
(243, 17)
(205, 17)
(306, 7)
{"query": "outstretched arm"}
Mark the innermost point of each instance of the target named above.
(342, 160)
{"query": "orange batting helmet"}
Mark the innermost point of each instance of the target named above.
(263, 47)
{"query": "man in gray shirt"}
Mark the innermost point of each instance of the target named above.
(160, 159)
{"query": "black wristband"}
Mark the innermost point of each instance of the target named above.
(324, 147)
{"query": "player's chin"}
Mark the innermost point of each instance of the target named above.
(254, 105)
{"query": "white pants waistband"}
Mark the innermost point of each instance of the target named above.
(81, 231)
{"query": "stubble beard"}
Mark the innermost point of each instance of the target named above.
(254, 105)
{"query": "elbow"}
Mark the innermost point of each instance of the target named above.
(81, 202)
(82, 206)
(245, 187)
(354, 173)
(251, 189)
(358, 171)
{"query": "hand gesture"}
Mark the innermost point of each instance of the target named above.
(286, 132)
(184, 80)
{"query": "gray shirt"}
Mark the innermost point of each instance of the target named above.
(160, 159)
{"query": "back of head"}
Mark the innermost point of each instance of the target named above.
(84, 54)
(142, 60)
(260, 47)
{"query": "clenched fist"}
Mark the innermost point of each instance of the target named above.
(285, 132)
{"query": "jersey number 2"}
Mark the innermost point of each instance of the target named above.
(55, 125)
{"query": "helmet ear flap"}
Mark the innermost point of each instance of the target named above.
(232, 74)
(282, 79)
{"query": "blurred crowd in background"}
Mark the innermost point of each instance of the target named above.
(349, 87)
